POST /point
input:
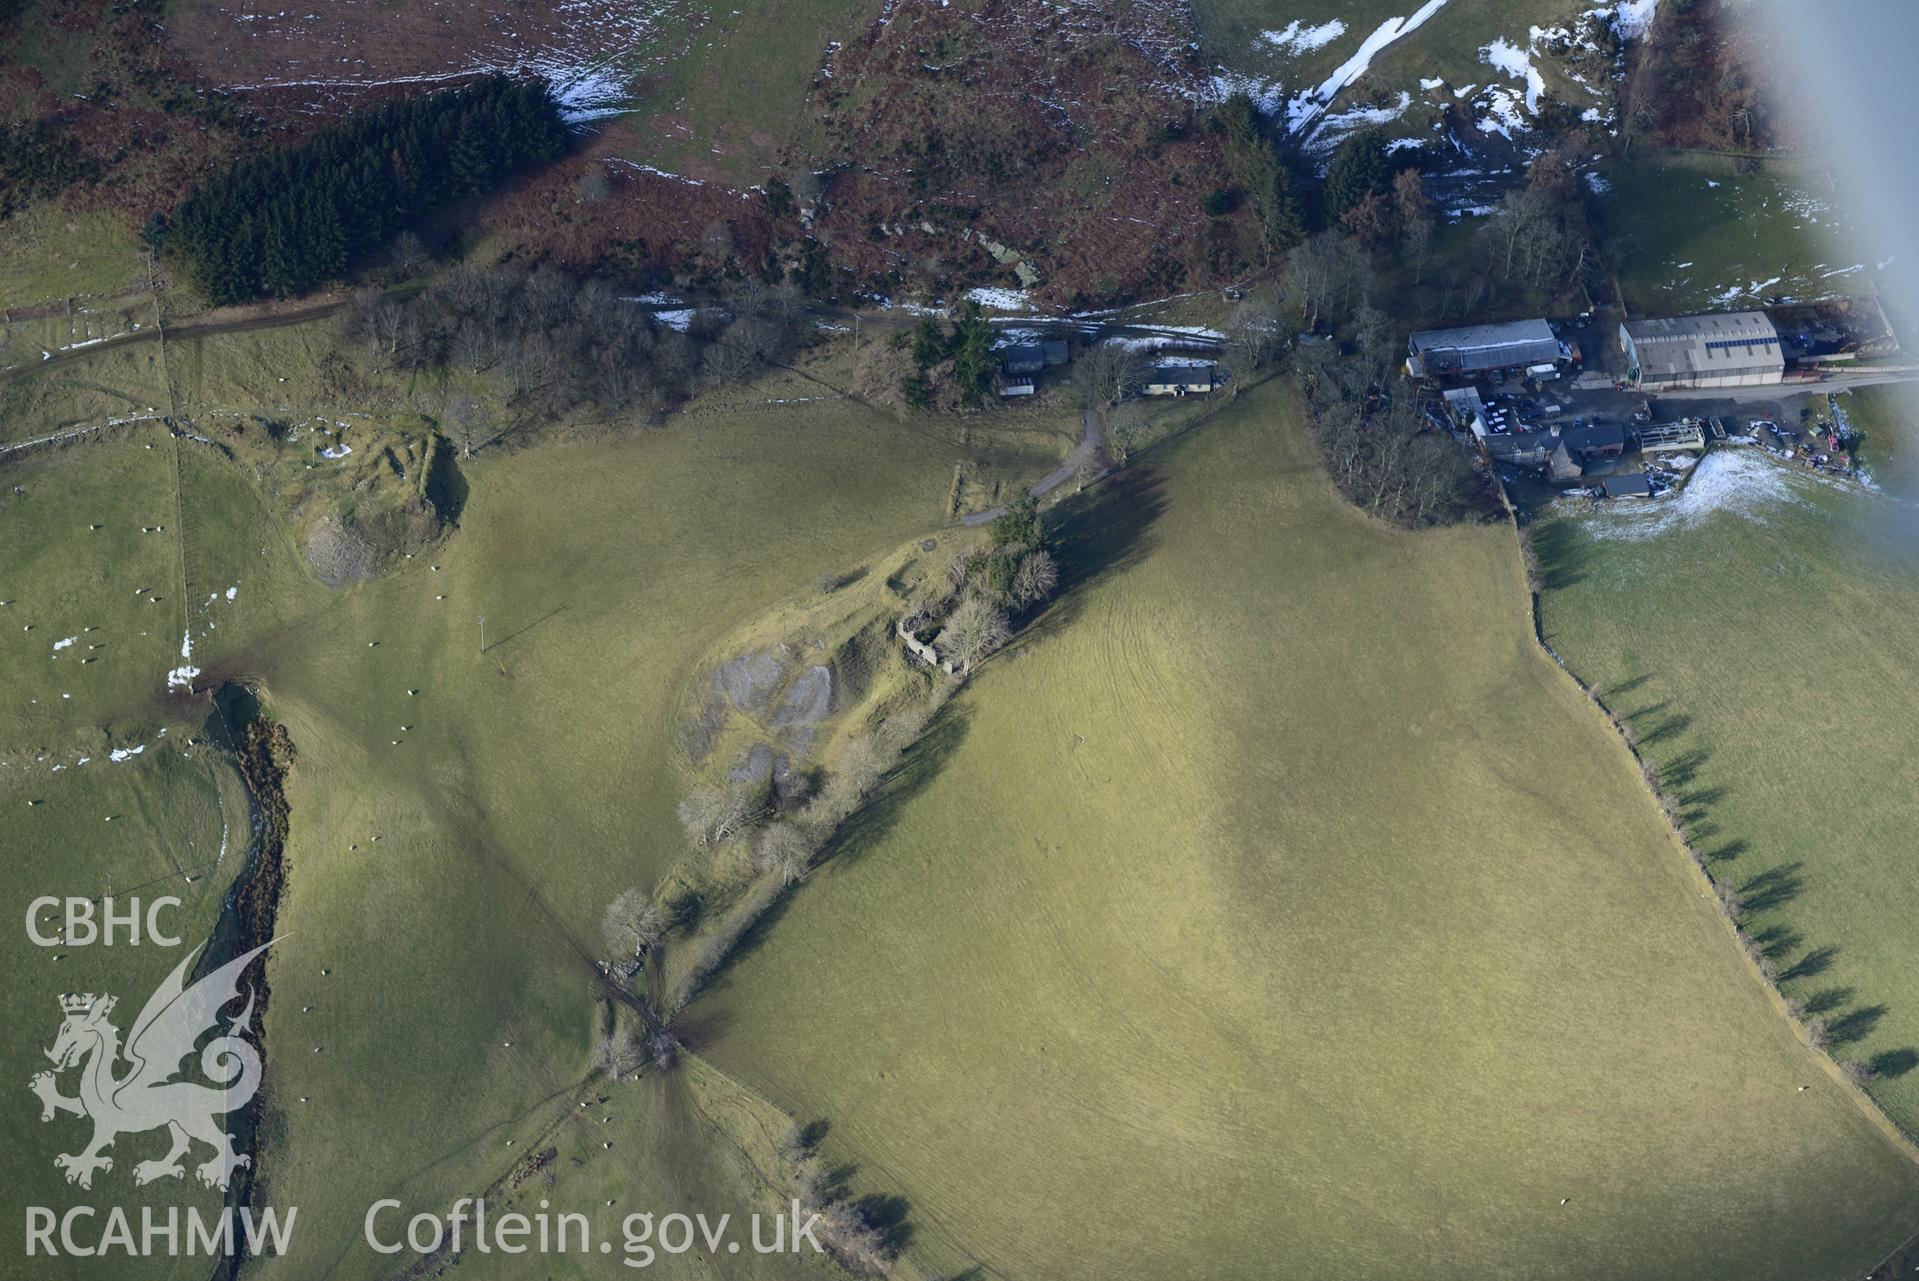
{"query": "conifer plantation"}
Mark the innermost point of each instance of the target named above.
(282, 223)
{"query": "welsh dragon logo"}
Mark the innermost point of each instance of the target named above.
(147, 1095)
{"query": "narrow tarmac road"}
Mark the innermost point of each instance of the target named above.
(1091, 451)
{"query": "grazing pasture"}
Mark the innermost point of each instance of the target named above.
(461, 816)
(1277, 908)
(135, 827)
(1757, 634)
(1272, 906)
(1689, 233)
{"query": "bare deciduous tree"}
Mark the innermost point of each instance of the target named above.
(633, 923)
(409, 252)
(619, 1054)
(973, 630)
(1324, 277)
(785, 850)
(1107, 371)
(1035, 578)
(1858, 1073)
(713, 814)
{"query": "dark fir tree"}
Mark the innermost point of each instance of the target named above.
(1360, 170)
(290, 220)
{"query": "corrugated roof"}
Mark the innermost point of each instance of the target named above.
(1473, 348)
(1511, 333)
(1717, 343)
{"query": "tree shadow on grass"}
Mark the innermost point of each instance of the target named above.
(1811, 965)
(1627, 686)
(1683, 769)
(1895, 1062)
(1774, 887)
(870, 824)
(1669, 726)
(1097, 534)
(1727, 852)
(1562, 552)
(1855, 1024)
(886, 1215)
(862, 830)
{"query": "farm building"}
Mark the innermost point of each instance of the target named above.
(1479, 349)
(1627, 485)
(1522, 448)
(1182, 380)
(1466, 409)
(1030, 358)
(1597, 440)
(1725, 349)
(1017, 385)
(1664, 438)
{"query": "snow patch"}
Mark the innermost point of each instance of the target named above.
(1633, 18)
(125, 753)
(999, 299)
(1742, 483)
(1296, 38)
(1307, 107)
(1508, 57)
(1336, 126)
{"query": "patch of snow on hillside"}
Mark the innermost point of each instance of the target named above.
(1752, 289)
(1504, 114)
(1633, 18)
(998, 299)
(1267, 95)
(182, 676)
(1307, 107)
(589, 92)
(1737, 482)
(1336, 126)
(1300, 39)
(1517, 63)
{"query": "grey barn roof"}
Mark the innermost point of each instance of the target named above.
(1474, 348)
(1707, 346)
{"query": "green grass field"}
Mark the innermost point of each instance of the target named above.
(1758, 635)
(174, 812)
(1208, 935)
(48, 255)
(1278, 909)
(1690, 233)
(536, 780)
(446, 878)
